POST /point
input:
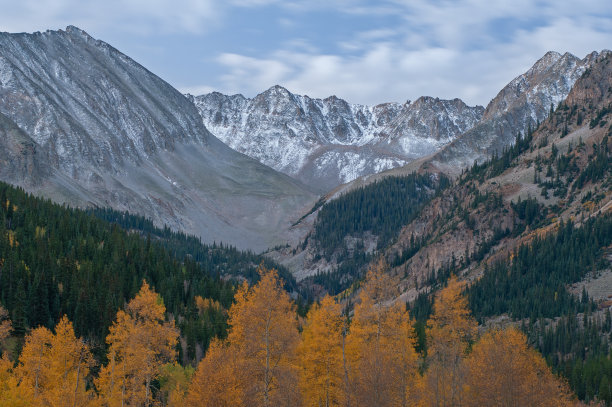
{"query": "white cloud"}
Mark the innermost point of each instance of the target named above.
(459, 48)
(142, 16)
(450, 49)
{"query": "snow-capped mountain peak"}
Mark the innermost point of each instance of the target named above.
(325, 142)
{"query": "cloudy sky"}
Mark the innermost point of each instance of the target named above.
(365, 51)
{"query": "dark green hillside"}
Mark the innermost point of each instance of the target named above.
(217, 258)
(381, 208)
(58, 261)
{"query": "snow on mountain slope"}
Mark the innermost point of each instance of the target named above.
(327, 142)
(524, 102)
(92, 126)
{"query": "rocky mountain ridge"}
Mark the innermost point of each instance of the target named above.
(450, 232)
(526, 101)
(86, 125)
(327, 142)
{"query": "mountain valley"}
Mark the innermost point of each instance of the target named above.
(118, 181)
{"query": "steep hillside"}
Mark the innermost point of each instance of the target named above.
(523, 103)
(558, 172)
(90, 126)
(530, 230)
(327, 142)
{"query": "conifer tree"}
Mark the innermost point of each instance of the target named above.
(5, 327)
(381, 345)
(140, 342)
(320, 356)
(450, 330)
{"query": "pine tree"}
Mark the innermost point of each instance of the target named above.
(5, 327)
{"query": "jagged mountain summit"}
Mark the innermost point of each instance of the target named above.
(327, 142)
(84, 124)
(524, 102)
(521, 104)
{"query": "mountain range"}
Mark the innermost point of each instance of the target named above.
(513, 199)
(328, 142)
(85, 125)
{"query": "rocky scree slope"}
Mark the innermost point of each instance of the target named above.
(86, 125)
(327, 142)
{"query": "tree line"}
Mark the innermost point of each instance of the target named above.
(273, 358)
(57, 261)
(367, 357)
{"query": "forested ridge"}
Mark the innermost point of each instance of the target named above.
(216, 258)
(381, 208)
(57, 261)
(377, 211)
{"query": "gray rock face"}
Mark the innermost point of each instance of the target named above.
(84, 124)
(327, 142)
(21, 160)
(524, 102)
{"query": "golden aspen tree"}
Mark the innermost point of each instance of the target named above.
(70, 363)
(263, 332)
(504, 371)
(140, 342)
(55, 366)
(450, 330)
(11, 394)
(381, 345)
(320, 356)
(34, 362)
(218, 380)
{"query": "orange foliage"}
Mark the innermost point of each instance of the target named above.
(450, 330)
(11, 394)
(54, 367)
(263, 338)
(205, 304)
(140, 342)
(217, 380)
(320, 356)
(380, 345)
(504, 371)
